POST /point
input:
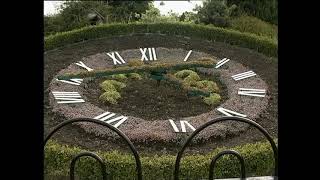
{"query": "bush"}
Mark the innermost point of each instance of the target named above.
(110, 96)
(119, 77)
(134, 76)
(213, 99)
(263, 45)
(255, 26)
(206, 85)
(112, 85)
(135, 63)
(258, 159)
(189, 77)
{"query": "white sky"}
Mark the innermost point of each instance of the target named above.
(176, 6)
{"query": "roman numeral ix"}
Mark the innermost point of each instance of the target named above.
(107, 118)
(244, 75)
(67, 97)
(76, 82)
(151, 52)
(183, 126)
(112, 55)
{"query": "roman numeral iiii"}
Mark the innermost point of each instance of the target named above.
(67, 97)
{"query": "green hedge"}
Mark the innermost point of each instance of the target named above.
(258, 161)
(261, 44)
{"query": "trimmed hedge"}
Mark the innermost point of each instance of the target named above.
(261, 44)
(258, 158)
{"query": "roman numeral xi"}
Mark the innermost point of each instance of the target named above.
(116, 61)
(107, 117)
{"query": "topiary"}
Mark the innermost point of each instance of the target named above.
(213, 99)
(110, 96)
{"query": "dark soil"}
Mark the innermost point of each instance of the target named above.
(148, 100)
(58, 59)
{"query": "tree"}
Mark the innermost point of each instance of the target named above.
(215, 12)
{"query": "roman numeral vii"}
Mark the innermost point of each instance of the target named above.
(107, 117)
(182, 125)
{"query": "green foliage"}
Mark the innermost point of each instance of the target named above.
(206, 85)
(189, 77)
(134, 76)
(153, 15)
(266, 10)
(254, 25)
(261, 44)
(119, 77)
(258, 158)
(111, 88)
(213, 99)
(135, 63)
(110, 96)
(215, 12)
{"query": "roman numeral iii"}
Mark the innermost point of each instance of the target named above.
(151, 52)
(67, 97)
(244, 75)
(222, 62)
(81, 64)
(228, 112)
(252, 92)
(107, 118)
(76, 82)
(112, 55)
(183, 126)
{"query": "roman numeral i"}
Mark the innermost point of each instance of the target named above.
(183, 126)
(112, 55)
(67, 97)
(151, 52)
(107, 115)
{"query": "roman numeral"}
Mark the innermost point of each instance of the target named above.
(152, 54)
(76, 82)
(228, 112)
(222, 62)
(183, 126)
(67, 97)
(244, 75)
(107, 115)
(112, 55)
(81, 64)
(186, 58)
(252, 92)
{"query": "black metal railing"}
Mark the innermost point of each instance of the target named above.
(180, 153)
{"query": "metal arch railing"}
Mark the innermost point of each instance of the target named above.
(123, 136)
(221, 119)
(231, 152)
(89, 154)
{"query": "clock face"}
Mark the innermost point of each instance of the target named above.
(148, 106)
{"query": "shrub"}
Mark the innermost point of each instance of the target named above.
(134, 76)
(263, 45)
(258, 158)
(110, 96)
(254, 25)
(190, 77)
(135, 63)
(206, 85)
(119, 77)
(213, 99)
(112, 85)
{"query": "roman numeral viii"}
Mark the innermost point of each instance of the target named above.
(112, 55)
(107, 118)
(151, 52)
(183, 126)
(67, 97)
